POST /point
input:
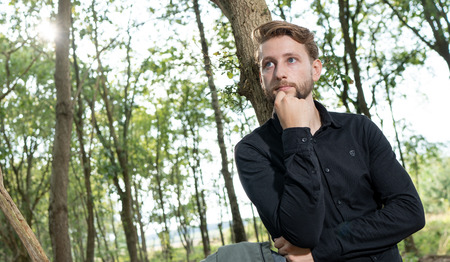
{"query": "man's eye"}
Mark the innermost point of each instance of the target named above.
(268, 64)
(291, 60)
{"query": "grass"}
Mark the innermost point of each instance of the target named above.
(433, 239)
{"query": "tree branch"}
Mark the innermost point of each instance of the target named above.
(19, 224)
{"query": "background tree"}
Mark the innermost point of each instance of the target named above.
(429, 14)
(244, 16)
(58, 209)
(238, 226)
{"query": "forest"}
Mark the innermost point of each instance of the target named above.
(118, 119)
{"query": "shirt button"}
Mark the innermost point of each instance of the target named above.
(327, 170)
(339, 202)
(304, 139)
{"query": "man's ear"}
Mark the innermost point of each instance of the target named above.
(316, 69)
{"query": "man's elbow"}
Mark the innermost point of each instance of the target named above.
(417, 217)
(309, 238)
(419, 221)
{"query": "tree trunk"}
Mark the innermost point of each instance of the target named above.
(85, 160)
(19, 224)
(255, 224)
(202, 215)
(244, 16)
(238, 226)
(350, 47)
(222, 239)
(141, 224)
(165, 235)
(58, 214)
(180, 211)
(194, 164)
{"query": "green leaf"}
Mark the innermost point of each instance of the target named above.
(230, 74)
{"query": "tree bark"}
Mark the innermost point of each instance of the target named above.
(19, 224)
(238, 225)
(85, 160)
(255, 224)
(141, 224)
(350, 47)
(165, 234)
(244, 16)
(58, 214)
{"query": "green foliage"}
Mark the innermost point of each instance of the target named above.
(434, 239)
(435, 184)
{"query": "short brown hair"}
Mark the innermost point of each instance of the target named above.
(273, 29)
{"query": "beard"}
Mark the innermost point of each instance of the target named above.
(302, 89)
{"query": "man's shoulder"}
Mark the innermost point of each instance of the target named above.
(345, 119)
(259, 134)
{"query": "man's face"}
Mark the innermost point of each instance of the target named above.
(286, 66)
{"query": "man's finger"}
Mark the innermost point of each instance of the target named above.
(279, 97)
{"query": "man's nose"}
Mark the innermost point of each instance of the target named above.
(280, 72)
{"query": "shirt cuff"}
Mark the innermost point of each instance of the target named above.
(296, 139)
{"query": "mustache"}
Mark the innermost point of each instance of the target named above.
(285, 83)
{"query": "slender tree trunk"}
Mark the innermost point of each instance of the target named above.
(222, 239)
(19, 224)
(350, 47)
(238, 226)
(244, 16)
(165, 235)
(202, 215)
(58, 214)
(77, 239)
(180, 211)
(85, 160)
(194, 164)
(255, 224)
(141, 224)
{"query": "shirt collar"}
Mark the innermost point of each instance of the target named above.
(325, 117)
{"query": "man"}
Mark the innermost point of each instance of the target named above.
(327, 185)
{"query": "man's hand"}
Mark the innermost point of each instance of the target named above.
(294, 112)
(292, 253)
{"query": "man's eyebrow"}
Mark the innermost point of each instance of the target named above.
(283, 55)
(290, 54)
(267, 58)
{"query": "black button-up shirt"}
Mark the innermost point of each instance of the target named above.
(341, 192)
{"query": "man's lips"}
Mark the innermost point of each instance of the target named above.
(283, 88)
